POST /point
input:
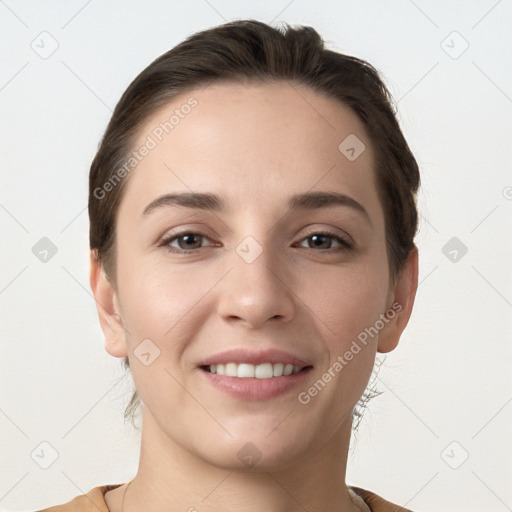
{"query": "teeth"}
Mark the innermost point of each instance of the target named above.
(259, 371)
(278, 369)
(231, 370)
(246, 370)
(264, 371)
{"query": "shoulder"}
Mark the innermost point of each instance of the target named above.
(93, 501)
(376, 503)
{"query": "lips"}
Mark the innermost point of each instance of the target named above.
(256, 388)
(249, 375)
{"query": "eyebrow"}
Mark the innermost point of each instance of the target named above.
(212, 202)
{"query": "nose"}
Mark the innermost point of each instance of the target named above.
(253, 293)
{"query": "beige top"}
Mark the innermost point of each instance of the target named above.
(94, 501)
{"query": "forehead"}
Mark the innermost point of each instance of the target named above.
(260, 142)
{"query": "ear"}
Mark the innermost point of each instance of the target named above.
(108, 309)
(400, 307)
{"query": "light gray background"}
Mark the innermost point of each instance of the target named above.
(447, 387)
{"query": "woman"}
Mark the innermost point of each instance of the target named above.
(252, 221)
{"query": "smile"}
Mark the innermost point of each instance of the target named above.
(259, 371)
(263, 381)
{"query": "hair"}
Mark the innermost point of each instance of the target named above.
(252, 52)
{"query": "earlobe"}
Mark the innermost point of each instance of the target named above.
(400, 309)
(108, 309)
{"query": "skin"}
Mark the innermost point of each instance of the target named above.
(254, 146)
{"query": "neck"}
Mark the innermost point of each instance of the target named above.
(168, 474)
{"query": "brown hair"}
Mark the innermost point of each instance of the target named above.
(249, 51)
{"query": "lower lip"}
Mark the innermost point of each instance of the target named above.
(255, 389)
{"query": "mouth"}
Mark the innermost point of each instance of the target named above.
(254, 375)
(255, 371)
(255, 382)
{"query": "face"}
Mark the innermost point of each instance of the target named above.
(253, 273)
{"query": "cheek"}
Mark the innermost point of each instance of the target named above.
(157, 305)
(164, 307)
(347, 301)
(157, 295)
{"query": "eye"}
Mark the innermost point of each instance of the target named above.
(323, 240)
(187, 242)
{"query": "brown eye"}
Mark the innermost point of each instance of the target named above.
(324, 241)
(190, 241)
(186, 242)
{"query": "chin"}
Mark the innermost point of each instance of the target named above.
(263, 451)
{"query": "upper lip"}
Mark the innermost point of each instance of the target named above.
(241, 355)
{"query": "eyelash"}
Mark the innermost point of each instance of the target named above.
(345, 244)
